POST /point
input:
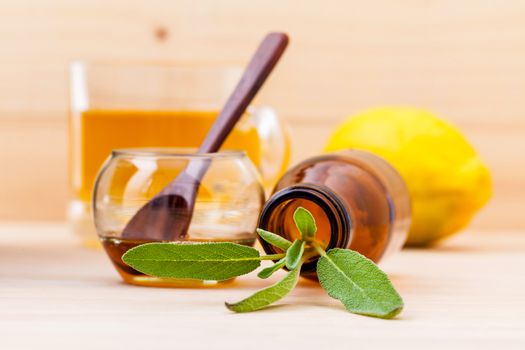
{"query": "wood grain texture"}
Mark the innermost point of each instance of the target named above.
(463, 60)
(464, 294)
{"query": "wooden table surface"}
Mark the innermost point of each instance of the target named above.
(467, 293)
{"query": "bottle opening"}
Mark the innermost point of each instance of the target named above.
(282, 223)
(333, 223)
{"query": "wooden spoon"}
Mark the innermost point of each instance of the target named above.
(167, 216)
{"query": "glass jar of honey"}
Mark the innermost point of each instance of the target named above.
(358, 200)
(228, 202)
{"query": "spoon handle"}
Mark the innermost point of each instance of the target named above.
(259, 68)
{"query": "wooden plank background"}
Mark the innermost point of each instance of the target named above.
(462, 59)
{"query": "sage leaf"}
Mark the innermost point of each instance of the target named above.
(358, 283)
(203, 261)
(268, 271)
(268, 295)
(274, 239)
(294, 254)
(305, 222)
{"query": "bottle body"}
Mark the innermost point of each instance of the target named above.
(358, 200)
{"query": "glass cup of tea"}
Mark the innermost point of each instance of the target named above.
(127, 105)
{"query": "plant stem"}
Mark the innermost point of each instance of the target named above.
(272, 257)
(318, 248)
(310, 253)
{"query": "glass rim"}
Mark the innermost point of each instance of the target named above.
(176, 152)
(159, 64)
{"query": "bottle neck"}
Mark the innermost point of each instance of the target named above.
(332, 217)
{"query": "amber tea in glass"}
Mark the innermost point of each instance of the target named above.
(125, 105)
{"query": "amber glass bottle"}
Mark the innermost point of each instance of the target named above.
(358, 200)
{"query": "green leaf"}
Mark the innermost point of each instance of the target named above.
(268, 271)
(203, 261)
(274, 239)
(358, 283)
(268, 295)
(294, 254)
(305, 222)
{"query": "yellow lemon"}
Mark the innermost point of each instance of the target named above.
(446, 179)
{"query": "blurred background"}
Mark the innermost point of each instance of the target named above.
(464, 60)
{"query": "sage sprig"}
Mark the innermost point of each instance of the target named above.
(204, 261)
(294, 254)
(358, 283)
(269, 295)
(344, 274)
(274, 239)
(268, 271)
